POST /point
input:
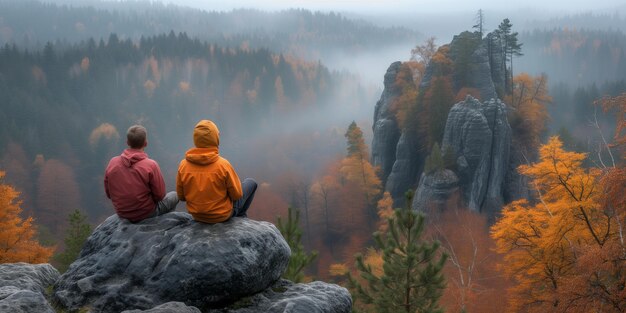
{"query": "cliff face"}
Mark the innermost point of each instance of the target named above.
(479, 65)
(385, 127)
(480, 137)
(478, 133)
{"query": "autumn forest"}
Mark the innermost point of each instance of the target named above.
(363, 203)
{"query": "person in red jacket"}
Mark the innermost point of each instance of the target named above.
(134, 182)
(209, 183)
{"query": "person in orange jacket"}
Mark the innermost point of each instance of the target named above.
(207, 181)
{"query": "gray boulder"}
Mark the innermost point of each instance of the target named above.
(172, 258)
(26, 276)
(170, 307)
(23, 285)
(435, 189)
(288, 297)
(480, 136)
(16, 300)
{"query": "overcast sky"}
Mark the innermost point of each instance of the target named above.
(389, 6)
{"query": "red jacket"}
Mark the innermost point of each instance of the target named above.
(134, 184)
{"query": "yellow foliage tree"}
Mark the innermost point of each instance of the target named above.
(356, 168)
(385, 211)
(542, 242)
(16, 234)
(103, 131)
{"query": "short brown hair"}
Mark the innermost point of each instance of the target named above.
(136, 136)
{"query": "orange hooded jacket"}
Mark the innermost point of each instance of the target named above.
(205, 180)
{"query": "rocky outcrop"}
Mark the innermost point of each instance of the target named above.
(282, 296)
(171, 264)
(496, 61)
(285, 296)
(404, 170)
(435, 189)
(170, 307)
(477, 64)
(480, 136)
(385, 128)
(23, 285)
(16, 300)
(172, 258)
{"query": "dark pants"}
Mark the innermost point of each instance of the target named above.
(240, 207)
(166, 205)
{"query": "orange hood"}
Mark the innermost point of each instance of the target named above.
(206, 135)
(202, 156)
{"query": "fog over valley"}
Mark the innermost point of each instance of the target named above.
(478, 147)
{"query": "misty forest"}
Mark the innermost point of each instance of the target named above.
(436, 162)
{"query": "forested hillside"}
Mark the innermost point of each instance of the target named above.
(64, 112)
(463, 174)
(581, 65)
(576, 56)
(31, 24)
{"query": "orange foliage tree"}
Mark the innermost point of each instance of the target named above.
(406, 88)
(420, 58)
(565, 252)
(339, 213)
(529, 115)
(344, 203)
(16, 234)
(598, 279)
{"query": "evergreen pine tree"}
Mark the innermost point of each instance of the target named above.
(510, 47)
(290, 229)
(480, 22)
(434, 162)
(449, 157)
(412, 279)
(77, 234)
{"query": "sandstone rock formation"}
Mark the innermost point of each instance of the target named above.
(405, 169)
(486, 71)
(478, 132)
(386, 129)
(480, 136)
(435, 189)
(173, 264)
(172, 258)
(285, 296)
(170, 307)
(23, 285)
